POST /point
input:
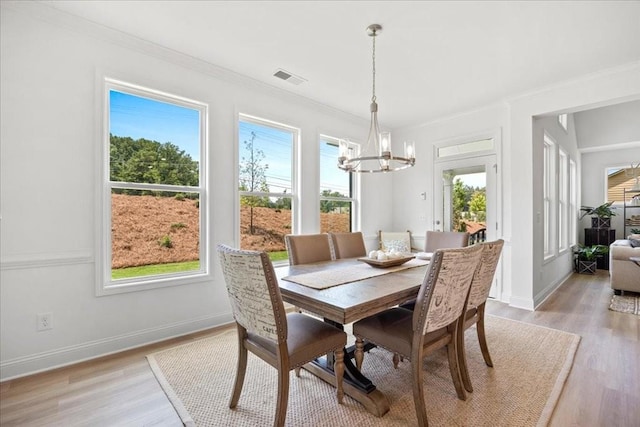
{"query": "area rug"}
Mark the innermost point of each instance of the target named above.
(531, 364)
(626, 304)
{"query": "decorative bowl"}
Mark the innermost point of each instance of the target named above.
(386, 263)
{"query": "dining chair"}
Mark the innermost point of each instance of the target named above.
(285, 341)
(445, 239)
(435, 322)
(308, 248)
(398, 240)
(480, 287)
(348, 245)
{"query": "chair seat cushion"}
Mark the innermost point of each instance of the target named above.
(307, 339)
(392, 329)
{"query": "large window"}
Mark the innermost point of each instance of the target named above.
(266, 184)
(563, 200)
(549, 196)
(154, 193)
(573, 203)
(337, 202)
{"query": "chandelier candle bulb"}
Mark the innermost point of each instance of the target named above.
(385, 144)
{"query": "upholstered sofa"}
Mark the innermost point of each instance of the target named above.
(625, 274)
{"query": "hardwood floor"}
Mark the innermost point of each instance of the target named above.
(603, 388)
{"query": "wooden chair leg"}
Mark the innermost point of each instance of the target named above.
(241, 369)
(359, 353)
(462, 358)
(283, 396)
(338, 368)
(297, 372)
(418, 389)
(482, 338)
(454, 368)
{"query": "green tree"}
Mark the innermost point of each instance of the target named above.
(478, 205)
(458, 205)
(327, 206)
(151, 162)
(253, 178)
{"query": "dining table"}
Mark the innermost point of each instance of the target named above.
(344, 291)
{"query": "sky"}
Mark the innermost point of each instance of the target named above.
(138, 117)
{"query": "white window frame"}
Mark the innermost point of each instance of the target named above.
(564, 121)
(294, 195)
(549, 197)
(563, 201)
(573, 203)
(353, 199)
(104, 284)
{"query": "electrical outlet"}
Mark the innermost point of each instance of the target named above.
(44, 321)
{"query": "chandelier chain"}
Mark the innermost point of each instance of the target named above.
(373, 57)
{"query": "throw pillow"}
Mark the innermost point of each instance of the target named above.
(634, 243)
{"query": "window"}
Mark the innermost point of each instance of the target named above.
(562, 119)
(154, 193)
(573, 203)
(466, 148)
(549, 191)
(337, 204)
(563, 200)
(266, 184)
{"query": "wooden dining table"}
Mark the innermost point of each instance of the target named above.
(346, 303)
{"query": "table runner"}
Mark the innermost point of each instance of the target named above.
(353, 273)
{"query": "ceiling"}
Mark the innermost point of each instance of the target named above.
(433, 59)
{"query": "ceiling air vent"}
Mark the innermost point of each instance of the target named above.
(287, 76)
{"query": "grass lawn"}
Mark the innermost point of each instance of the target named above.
(175, 267)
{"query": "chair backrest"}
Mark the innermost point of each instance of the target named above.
(398, 240)
(308, 248)
(445, 289)
(253, 290)
(483, 277)
(445, 239)
(348, 245)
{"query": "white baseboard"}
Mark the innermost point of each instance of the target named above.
(35, 363)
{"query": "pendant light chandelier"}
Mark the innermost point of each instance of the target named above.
(377, 155)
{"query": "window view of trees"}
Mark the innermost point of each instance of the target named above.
(154, 186)
(336, 201)
(469, 206)
(265, 185)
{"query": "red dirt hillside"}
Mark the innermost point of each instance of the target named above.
(140, 223)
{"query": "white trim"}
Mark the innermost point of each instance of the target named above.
(52, 359)
(44, 260)
(618, 146)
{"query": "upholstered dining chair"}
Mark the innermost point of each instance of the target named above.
(348, 245)
(285, 341)
(480, 287)
(398, 240)
(445, 239)
(308, 248)
(435, 322)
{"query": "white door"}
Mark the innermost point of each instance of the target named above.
(460, 187)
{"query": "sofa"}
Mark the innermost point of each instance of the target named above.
(625, 274)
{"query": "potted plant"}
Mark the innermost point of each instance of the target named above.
(600, 215)
(586, 257)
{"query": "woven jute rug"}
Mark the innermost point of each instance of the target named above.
(531, 364)
(626, 304)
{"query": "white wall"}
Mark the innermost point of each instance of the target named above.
(594, 168)
(51, 72)
(553, 271)
(614, 124)
(621, 84)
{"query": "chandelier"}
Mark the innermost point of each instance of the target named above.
(377, 155)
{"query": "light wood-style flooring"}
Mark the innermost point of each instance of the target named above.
(603, 388)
